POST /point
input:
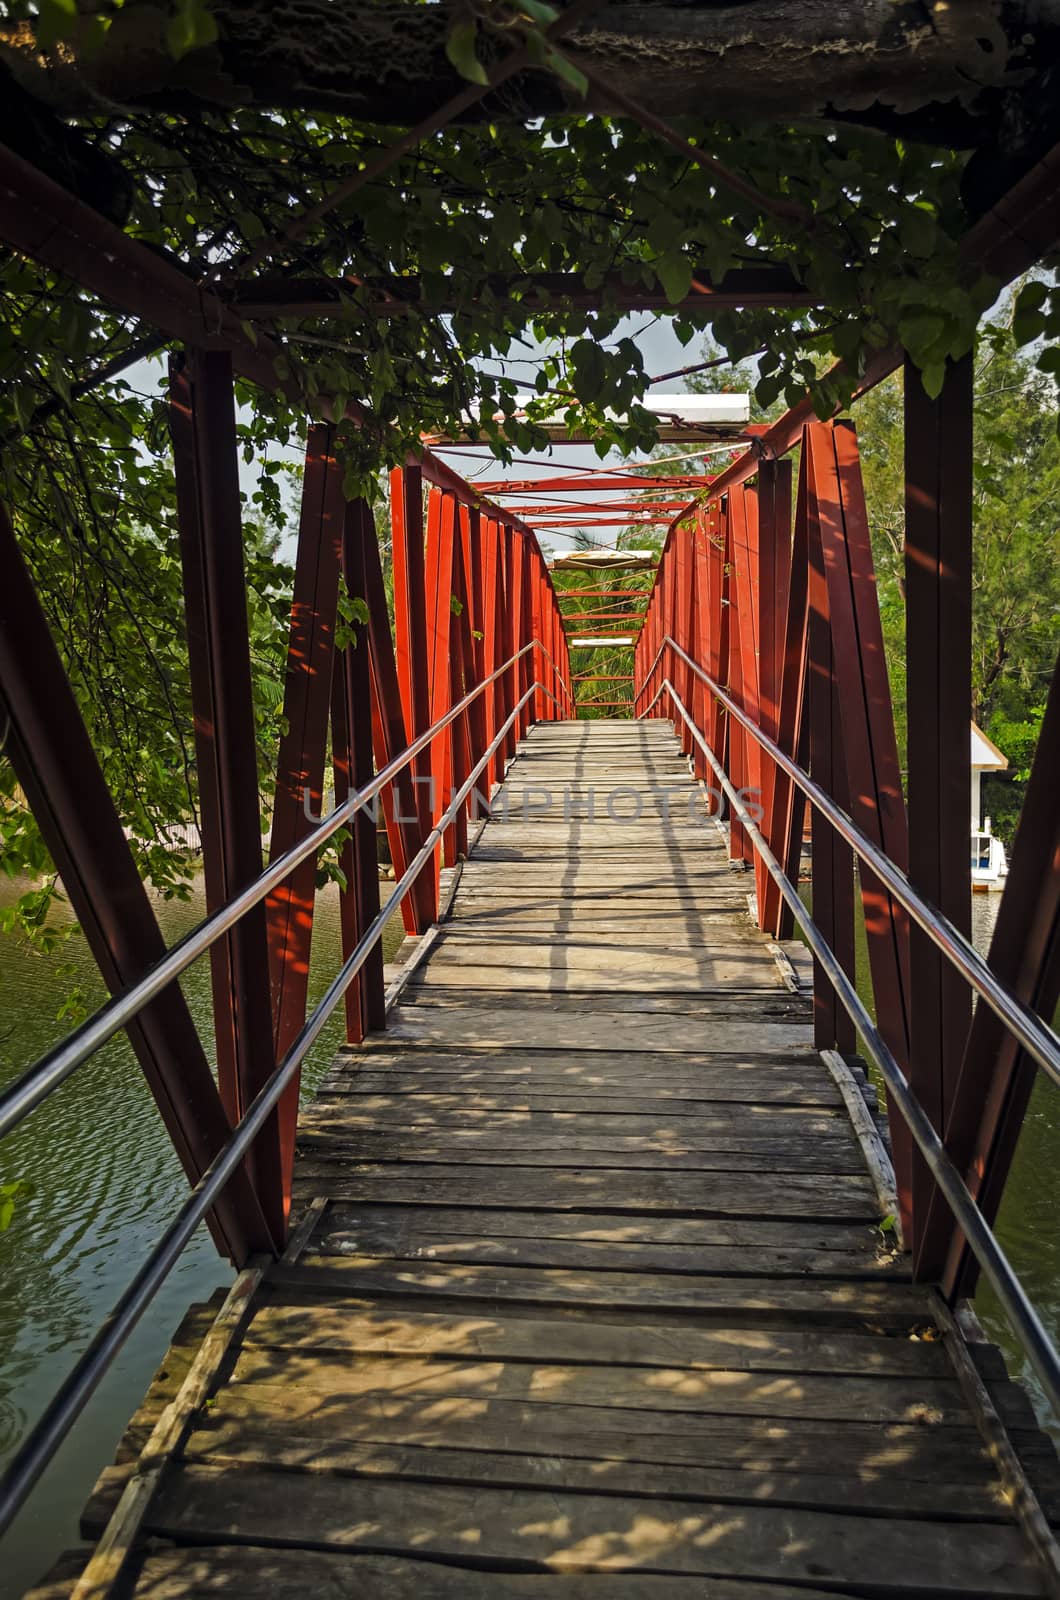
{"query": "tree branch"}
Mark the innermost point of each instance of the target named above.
(907, 65)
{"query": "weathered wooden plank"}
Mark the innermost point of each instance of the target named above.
(646, 979)
(351, 1328)
(370, 1149)
(908, 1451)
(650, 1114)
(252, 1442)
(824, 1198)
(565, 1532)
(853, 1301)
(732, 1392)
(434, 1244)
(739, 1233)
(256, 1573)
(590, 1030)
(796, 1080)
(746, 1008)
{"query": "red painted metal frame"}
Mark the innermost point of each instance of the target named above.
(399, 801)
(410, 645)
(830, 636)
(833, 861)
(996, 1077)
(203, 429)
(938, 590)
(52, 756)
(447, 748)
(351, 745)
(300, 763)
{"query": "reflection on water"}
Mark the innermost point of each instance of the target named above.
(105, 1182)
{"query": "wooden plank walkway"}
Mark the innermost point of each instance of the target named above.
(590, 1299)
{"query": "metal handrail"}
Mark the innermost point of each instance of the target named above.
(1012, 1297)
(77, 1388)
(53, 1068)
(1034, 1034)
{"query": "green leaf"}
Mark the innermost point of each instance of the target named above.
(568, 72)
(460, 48)
(588, 370)
(190, 28)
(538, 11)
(456, 606)
(918, 232)
(674, 272)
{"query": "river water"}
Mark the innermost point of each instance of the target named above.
(105, 1182)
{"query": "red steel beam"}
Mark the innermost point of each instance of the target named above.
(53, 759)
(351, 746)
(205, 458)
(833, 861)
(400, 800)
(300, 763)
(410, 647)
(443, 674)
(591, 483)
(938, 611)
(786, 815)
(871, 752)
(774, 563)
(997, 1077)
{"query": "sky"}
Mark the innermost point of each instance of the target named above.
(662, 352)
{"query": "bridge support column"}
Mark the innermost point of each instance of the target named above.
(351, 747)
(300, 764)
(938, 599)
(410, 649)
(209, 521)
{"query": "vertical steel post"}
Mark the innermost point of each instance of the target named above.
(833, 861)
(870, 746)
(351, 740)
(300, 763)
(203, 430)
(410, 646)
(444, 669)
(509, 630)
(745, 591)
(774, 564)
(938, 609)
(788, 803)
(400, 801)
(682, 623)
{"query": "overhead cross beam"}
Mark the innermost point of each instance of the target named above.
(273, 297)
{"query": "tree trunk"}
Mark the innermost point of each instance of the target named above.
(948, 74)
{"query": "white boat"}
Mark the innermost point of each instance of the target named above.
(989, 862)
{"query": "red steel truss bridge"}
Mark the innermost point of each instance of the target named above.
(626, 1250)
